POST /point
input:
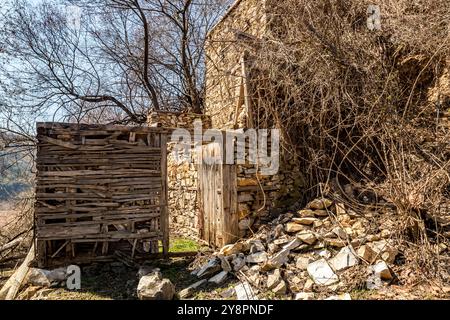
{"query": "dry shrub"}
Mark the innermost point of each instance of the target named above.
(361, 106)
(18, 224)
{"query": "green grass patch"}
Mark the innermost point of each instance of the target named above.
(183, 245)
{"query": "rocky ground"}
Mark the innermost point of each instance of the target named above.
(6, 213)
(327, 251)
(324, 251)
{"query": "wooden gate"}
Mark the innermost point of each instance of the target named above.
(101, 193)
(218, 196)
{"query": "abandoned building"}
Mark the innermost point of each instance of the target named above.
(103, 190)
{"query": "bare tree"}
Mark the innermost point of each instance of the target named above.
(122, 59)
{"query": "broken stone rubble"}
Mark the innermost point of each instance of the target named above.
(312, 248)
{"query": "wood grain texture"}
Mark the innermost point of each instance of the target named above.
(99, 189)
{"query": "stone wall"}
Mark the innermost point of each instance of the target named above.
(225, 46)
(183, 195)
(280, 190)
(182, 175)
(238, 33)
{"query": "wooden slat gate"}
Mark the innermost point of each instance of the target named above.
(101, 193)
(218, 197)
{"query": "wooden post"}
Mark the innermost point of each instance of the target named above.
(164, 195)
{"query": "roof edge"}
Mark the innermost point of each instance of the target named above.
(229, 11)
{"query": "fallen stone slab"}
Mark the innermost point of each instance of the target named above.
(231, 249)
(274, 279)
(259, 257)
(293, 227)
(304, 296)
(307, 213)
(345, 296)
(245, 292)
(277, 260)
(307, 237)
(346, 258)
(280, 289)
(304, 221)
(219, 278)
(187, 292)
(46, 278)
(292, 245)
(211, 267)
(321, 273)
(302, 262)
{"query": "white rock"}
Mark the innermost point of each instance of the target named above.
(302, 263)
(219, 278)
(293, 244)
(382, 269)
(154, 287)
(211, 267)
(274, 279)
(321, 273)
(346, 258)
(325, 254)
(293, 227)
(46, 278)
(304, 296)
(259, 257)
(245, 292)
(345, 296)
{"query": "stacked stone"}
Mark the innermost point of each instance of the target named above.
(223, 68)
(183, 195)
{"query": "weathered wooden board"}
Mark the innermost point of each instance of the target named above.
(217, 187)
(99, 189)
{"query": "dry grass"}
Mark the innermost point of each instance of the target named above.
(361, 107)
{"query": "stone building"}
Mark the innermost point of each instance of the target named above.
(228, 105)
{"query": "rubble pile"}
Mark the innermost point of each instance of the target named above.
(302, 254)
